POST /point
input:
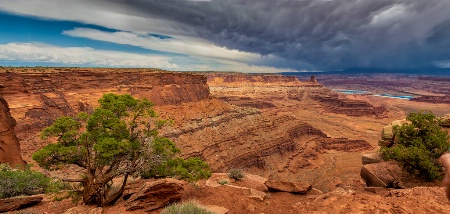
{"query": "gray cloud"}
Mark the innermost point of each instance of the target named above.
(326, 34)
(301, 34)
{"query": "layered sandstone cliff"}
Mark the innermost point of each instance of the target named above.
(37, 98)
(262, 91)
(256, 124)
(9, 144)
(351, 107)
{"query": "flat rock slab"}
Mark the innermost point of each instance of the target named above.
(153, 194)
(379, 190)
(382, 174)
(11, 204)
(258, 195)
(371, 158)
(285, 186)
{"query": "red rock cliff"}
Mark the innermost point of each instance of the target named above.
(37, 98)
(9, 144)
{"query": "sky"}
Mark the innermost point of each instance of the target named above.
(227, 35)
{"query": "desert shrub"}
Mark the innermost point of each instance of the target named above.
(223, 182)
(419, 145)
(236, 174)
(185, 208)
(15, 182)
(191, 169)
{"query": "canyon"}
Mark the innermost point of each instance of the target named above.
(273, 126)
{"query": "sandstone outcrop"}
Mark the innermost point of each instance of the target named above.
(285, 186)
(258, 195)
(11, 204)
(357, 108)
(38, 98)
(9, 144)
(433, 99)
(371, 158)
(382, 174)
(258, 91)
(152, 194)
(445, 121)
(388, 134)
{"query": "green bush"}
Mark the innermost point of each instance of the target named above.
(223, 182)
(236, 174)
(192, 169)
(15, 182)
(185, 208)
(419, 145)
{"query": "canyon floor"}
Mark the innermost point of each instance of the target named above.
(272, 126)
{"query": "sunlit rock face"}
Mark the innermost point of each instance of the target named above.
(9, 144)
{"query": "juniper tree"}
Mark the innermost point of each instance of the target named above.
(419, 144)
(119, 139)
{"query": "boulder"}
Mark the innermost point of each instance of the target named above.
(11, 204)
(258, 195)
(387, 143)
(152, 194)
(382, 174)
(254, 181)
(387, 133)
(445, 120)
(371, 158)
(284, 186)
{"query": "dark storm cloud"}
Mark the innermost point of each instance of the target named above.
(326, 34)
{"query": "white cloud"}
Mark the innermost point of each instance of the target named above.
(442, 64)
(37, 52)
(188, 46)
(85, 56)
(102, 13)
(202, 55)
(224, 59)
(390, 16)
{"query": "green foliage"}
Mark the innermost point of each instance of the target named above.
(185, 208)
(192, 169)
(16, 182)
(119, 138)
(236, 174)
(223, 182)
(419, 145)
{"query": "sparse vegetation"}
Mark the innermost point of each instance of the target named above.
(192, 169)
(418, 146)
(223, 182)
(185, 208)
(16, 182)
(119, 139)
(236, 174)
